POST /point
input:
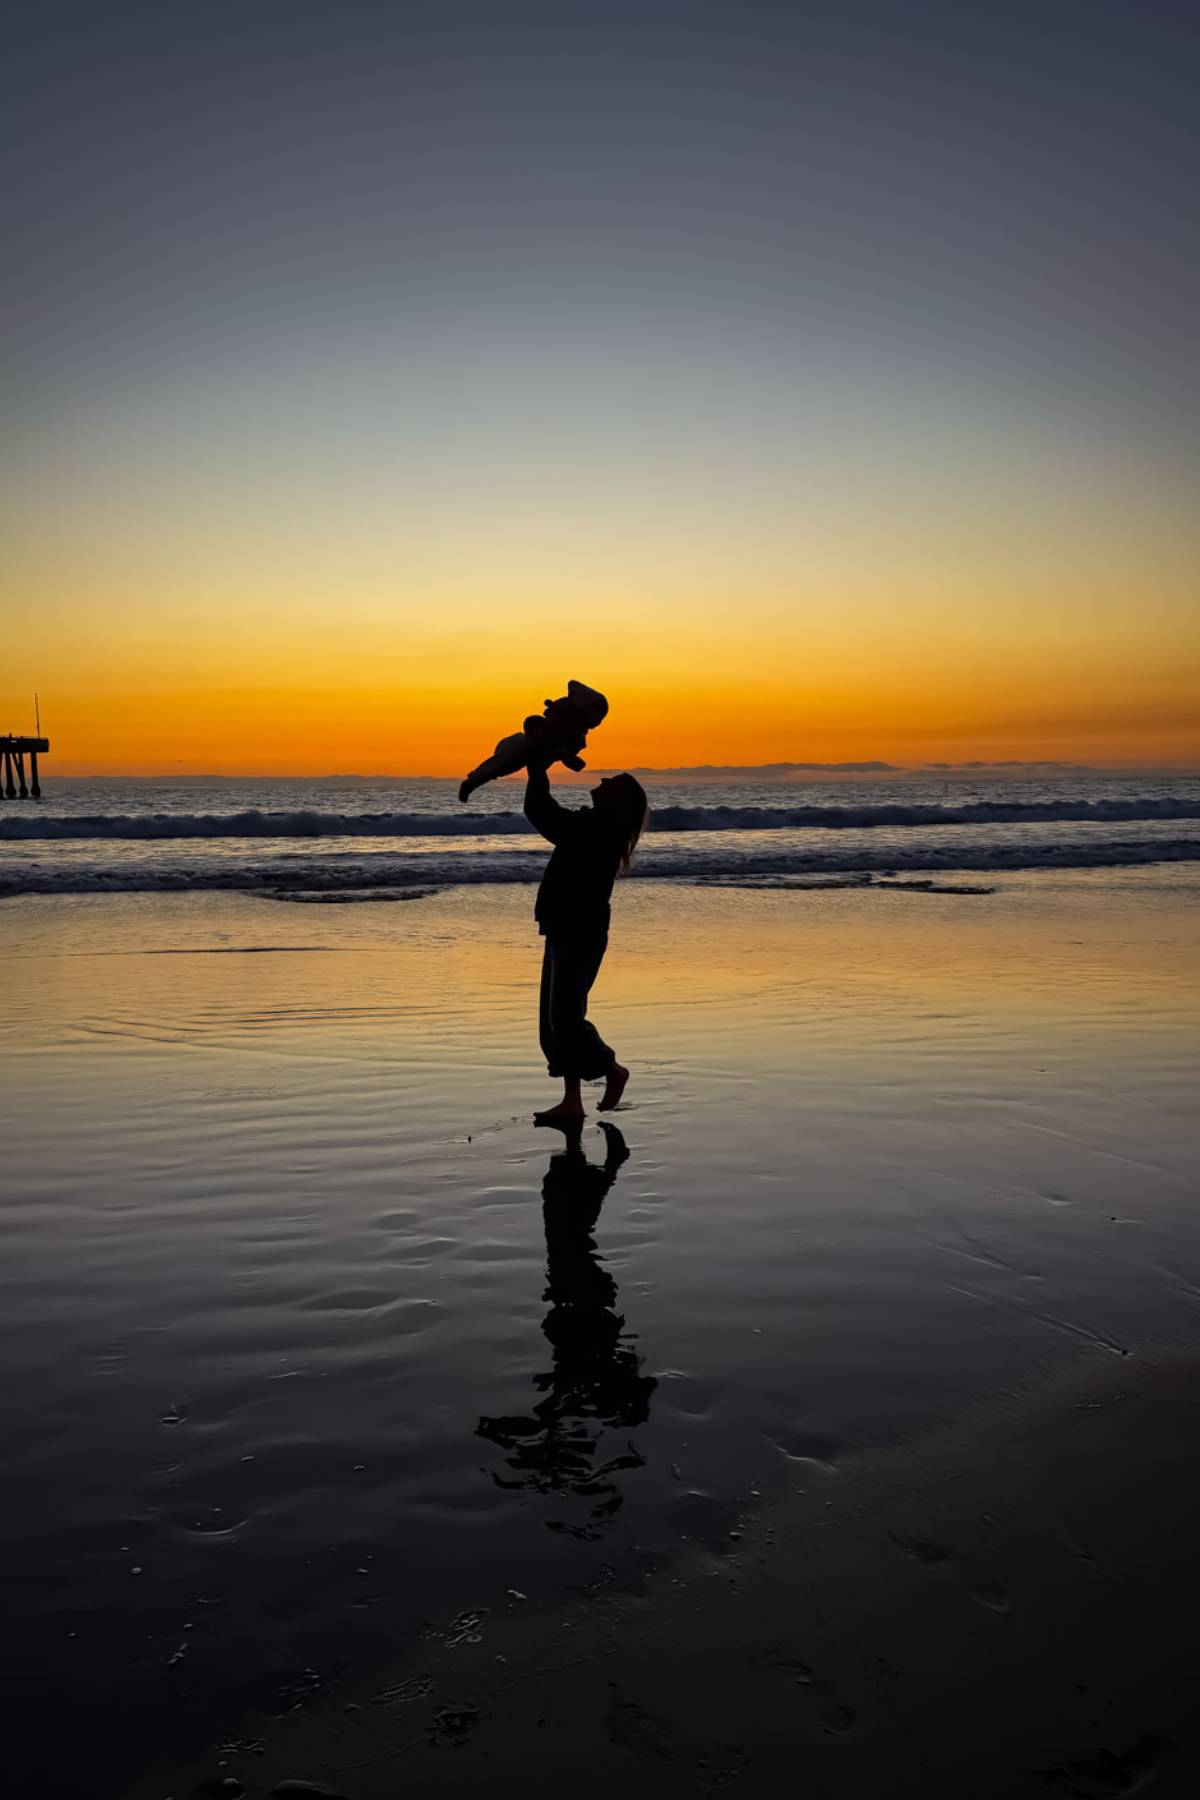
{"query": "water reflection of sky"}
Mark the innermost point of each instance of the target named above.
(278, 1236)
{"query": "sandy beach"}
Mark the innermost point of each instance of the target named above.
(837, 1415)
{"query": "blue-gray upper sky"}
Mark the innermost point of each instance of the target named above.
(1010, 184)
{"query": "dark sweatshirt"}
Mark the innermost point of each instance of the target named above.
(573, 898)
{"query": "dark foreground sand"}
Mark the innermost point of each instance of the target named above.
(1008, 1608)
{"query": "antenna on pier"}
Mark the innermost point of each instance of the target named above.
(37, 714)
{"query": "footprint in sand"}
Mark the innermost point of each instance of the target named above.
(928, 1553)
(829, 1711)
(990, 1594)
(453, 1724)
(417, 1687)
(728, 1762)
(921, 1549)
(1107, 1776)
(631, 1726)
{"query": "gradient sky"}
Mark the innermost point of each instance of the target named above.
(820, 380)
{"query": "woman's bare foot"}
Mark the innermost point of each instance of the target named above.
(614, 1087)
(565, 1113)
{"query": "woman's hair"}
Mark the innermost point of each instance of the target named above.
(628, 808)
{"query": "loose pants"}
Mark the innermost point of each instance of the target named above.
(572, 1046)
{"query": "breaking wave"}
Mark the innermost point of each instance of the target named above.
(385, 874)
(312, 823)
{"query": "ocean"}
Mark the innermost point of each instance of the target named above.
(377, 840)
(328, 1372)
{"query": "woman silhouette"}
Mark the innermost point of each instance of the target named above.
(572, 913)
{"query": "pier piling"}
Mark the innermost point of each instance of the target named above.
(14, 750)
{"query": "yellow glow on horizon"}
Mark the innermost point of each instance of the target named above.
(421, 729)
(160, 655)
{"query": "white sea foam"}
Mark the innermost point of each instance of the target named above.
(313, 822)
(736, 860)
(396, 838)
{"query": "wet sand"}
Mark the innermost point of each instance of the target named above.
(1005, 1608)
(842, 1429)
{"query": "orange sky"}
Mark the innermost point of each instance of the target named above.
(402, 730)
(146, 672)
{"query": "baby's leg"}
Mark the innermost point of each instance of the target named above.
(510, 755)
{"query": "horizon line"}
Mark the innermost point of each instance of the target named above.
(710, 771)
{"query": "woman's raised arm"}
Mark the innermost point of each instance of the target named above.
(542, 809)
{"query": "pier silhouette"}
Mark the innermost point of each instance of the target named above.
(13, 751)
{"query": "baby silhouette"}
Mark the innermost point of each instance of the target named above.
(557, 734)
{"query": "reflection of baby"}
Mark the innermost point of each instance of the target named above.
(556, 735)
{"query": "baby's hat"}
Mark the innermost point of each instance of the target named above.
(587, 699)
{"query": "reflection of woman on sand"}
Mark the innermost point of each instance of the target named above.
(572, 912)
(596, 1383)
